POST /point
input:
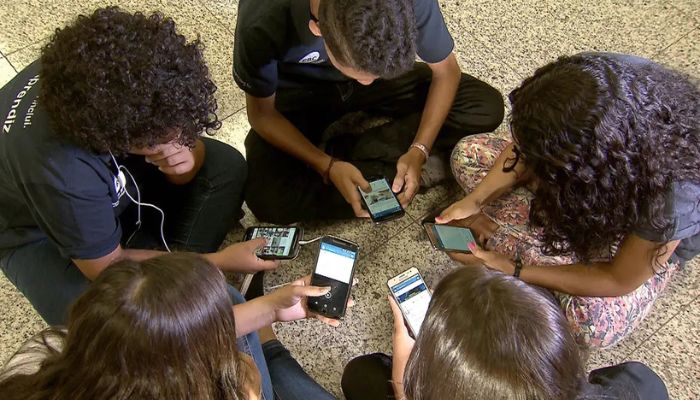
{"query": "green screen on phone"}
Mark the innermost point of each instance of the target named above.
(453, 238)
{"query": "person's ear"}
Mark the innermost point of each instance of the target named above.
(314, 28)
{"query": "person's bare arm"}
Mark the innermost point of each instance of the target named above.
(272, 126)
(495, 183)
(634, 263)
(92, 268)
(632, 266)
(237, 257)
(441, 94)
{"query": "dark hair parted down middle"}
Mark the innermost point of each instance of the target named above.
(158, 329)
(492, 336)
(606, 140)
(117, 81)
(374, 36)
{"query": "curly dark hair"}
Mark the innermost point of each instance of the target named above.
(113, 81)
(374, 36)
(606, 139)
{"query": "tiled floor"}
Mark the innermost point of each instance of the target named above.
(498, 41)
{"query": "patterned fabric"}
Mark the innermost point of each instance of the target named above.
(596, 321)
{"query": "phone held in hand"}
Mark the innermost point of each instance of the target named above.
(282, 241)
(413, 297)
(381, 202)
(449, 238)
(335, 267)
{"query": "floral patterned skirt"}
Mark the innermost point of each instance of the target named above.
(596, 321)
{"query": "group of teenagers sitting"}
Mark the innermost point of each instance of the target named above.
(114, 206)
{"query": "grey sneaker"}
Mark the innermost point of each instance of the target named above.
(434, 171)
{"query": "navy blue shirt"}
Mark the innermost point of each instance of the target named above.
(274, 48)
(50, 188)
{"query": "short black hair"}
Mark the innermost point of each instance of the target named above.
(113, 81)
(374, 36)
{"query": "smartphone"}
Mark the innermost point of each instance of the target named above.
(335, 267)
(283, 241)
(413, 297)
(449, 238)
(381, 202)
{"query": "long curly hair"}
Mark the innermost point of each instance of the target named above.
(606, 140)
(375, 36)
(114, 81)
(158, 329)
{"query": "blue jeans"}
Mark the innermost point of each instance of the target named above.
(280, 373)
(289, 380)
(198, 216)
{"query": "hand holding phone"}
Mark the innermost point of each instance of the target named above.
(347, 178)
(241, 257)
(335, 267)
(449, 238)
(282, 241)
(290, 301)
(381, 202)
(411, 294)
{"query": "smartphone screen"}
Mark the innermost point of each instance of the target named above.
(413, 298)
(381, 202)
(451, 238)
(281, 243)
(334, 267)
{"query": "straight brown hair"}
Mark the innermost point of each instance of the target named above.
(491, 336)
(157, 329)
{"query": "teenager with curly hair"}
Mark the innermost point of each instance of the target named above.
(606, 148)
(164, 328)
(112, 114)
(491, 336)
(305, 64)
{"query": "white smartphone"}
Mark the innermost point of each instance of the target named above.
(413, 297)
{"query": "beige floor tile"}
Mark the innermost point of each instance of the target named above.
(6, 71)
(527, 34)
(689, 7)
(673, 353)
(225, 11)
(234, 130)
(684, 54)
(18, 320)
(24, 22)
(27, 55)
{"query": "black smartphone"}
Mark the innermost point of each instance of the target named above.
(449, 238)
(335, 267)
(381, 202)
(283, 241)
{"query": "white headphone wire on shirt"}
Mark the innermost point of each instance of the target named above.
(139, 203)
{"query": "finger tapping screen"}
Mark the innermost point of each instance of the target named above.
(335, 262)
(413, 298)
(381, 201)
(453, 238)
(280, 240)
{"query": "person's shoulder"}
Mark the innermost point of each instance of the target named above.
(256, 15)
(629, 380)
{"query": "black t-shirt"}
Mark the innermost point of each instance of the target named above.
(627, 381)
(274, 47)
(50, 188)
